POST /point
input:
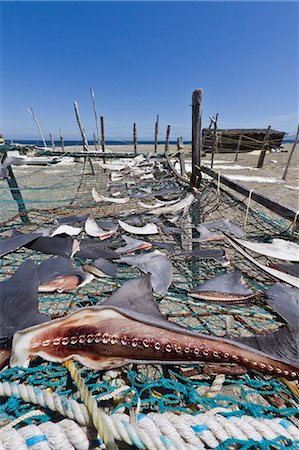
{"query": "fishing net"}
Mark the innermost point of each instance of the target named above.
(63, 189)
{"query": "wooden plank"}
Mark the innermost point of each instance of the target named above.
(278, 208)
(291, 155)
(261, 159)
(196, 136)
(52, 141)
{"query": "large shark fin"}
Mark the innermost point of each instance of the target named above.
(136, 296)
(18, 301)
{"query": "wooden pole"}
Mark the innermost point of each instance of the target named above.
(291, 155)
(61, 140)
(95, 142)
(38, 126)
(102, 134)
(181, 150)
(95, 115)
(214, 141)
(135, 138)
(261, 159)
(238, 147)
(82, 131)
(52, 141)
(196, 136)
(16, 193)
(167, 138)
(156, 133)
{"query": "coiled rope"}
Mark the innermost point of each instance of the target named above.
(153, 431)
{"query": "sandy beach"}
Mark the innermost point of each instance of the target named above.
(267, 180)
(46, 187)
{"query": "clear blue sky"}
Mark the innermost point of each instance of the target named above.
(144, 58)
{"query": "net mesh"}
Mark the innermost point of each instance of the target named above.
(65, 189)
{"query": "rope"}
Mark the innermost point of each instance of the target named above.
(247, 209)
(150, 431)
(66, 435)
(155, 432)
(215, 387)
(97, 414)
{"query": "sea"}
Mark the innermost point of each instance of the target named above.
(68, 143)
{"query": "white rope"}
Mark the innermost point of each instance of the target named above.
(153, 431)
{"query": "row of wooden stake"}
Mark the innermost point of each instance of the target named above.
(98, 138)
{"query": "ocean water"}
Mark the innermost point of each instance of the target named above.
(68, 143)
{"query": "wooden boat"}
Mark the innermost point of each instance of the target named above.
(228, 140)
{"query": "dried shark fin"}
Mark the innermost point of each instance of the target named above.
(285, 301)
(91, 249)
(136, 295)
(101, 268)
(155, 263)
(282, 344)
(227, 226)
(56, 245)
(19, 240)
(133, 245)
(93, 229)
(207, 235)
(18, 301)
(59, 274)
(225, 288)
(278, 248)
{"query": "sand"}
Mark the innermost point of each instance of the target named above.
(55, 185)
(267, 180)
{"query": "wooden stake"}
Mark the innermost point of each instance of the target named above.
(61, 140)
(16, 193)
(135, 138)
(196, 136)
(291, 155)
(181, 150)
(38, 126)
(82, 131)
(102, 134)
(238, 147)
(156, 133)
(95, 142)
(52, 141)
(261, 159)
(167, 138)
(214, 141)
(95, 115)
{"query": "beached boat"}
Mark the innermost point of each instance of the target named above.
(228, 140)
